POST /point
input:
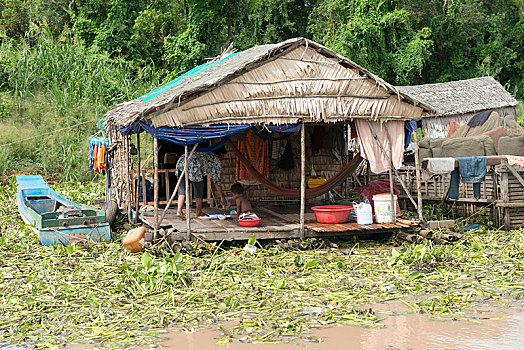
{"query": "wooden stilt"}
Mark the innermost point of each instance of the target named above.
(155, 182)
(129, 187)
(302, 179)
(418, 178)
(139, 179)
(179, 181)
(390, 167)
(188, 207)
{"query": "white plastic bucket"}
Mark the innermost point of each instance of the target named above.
(364, 213)
(382, 204)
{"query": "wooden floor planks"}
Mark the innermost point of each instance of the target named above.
(275, 223)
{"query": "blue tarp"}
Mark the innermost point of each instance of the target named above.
(189, 135)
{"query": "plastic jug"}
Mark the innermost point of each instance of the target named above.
(364, 213)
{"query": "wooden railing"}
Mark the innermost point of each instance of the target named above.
(168, 187)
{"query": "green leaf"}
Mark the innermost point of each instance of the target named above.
(299, 260)
(312, 263)
(273, 250)
(414, 275)
(147, 260)
(252, 240)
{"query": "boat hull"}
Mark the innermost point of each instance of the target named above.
(38, 204)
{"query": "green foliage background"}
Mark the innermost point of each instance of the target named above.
(63, 63)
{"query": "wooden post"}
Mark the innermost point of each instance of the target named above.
(155, 182)
(302, 179)
(179, 181)
(188, 207)
(130, 189)
(418, 178)
(139, 178)
(390, 167)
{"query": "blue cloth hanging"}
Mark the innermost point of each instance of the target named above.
(189, 135)
(411, 127)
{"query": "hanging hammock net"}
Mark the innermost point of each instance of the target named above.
(334, 181)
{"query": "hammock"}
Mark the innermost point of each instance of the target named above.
(310, 192)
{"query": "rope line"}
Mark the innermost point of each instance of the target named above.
(46, 134)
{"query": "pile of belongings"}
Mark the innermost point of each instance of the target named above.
(485, 134)
(248, 216)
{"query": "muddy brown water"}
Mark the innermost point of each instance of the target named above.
(486, 329)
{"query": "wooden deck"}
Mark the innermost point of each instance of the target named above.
(276, 222)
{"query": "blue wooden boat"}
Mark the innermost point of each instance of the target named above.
(56, 219)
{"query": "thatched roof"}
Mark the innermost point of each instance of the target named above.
(277, 83)
(462, 96)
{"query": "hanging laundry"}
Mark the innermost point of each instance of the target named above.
(472, 170)
(277, 148)
(411, 127)
(97, 150)
(287, 161)
(438, 166)
(256, 150)
(515, 160)
(370, 149)
(337, 142)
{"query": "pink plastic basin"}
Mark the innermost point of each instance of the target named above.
(332, 214)
(249, 223)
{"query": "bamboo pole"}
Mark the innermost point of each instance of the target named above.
(291, 80)
(302, 179)
(188, 207)
(390, 167)
(130, 193)
(139, 179)
(293, 117)
(179, 181)
(155, 183)
(372, 129)
(373, 97)
(418, 178)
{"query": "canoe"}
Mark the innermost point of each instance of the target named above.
(56, 219)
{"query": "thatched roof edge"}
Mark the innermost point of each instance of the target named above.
(461, 96)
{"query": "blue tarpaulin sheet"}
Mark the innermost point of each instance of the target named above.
(189, 135)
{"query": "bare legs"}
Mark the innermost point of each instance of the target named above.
(180, 212)
(199, 212)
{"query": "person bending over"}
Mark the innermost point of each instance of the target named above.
(200, 165)
(243, 204)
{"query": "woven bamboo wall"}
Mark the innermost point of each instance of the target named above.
(119, 168)
(324, 164)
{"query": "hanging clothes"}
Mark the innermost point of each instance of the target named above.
(371, 151)
(97, 151)
(337, 142)
(287, 160)
(411, 127)
(453, 127)
(438, 166)
(472, 170)
(256, 150)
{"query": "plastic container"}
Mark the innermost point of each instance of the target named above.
(249, 223)
(383, 210)
(364, 213)
(332, 214)
(134, 240)
(313, 182)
